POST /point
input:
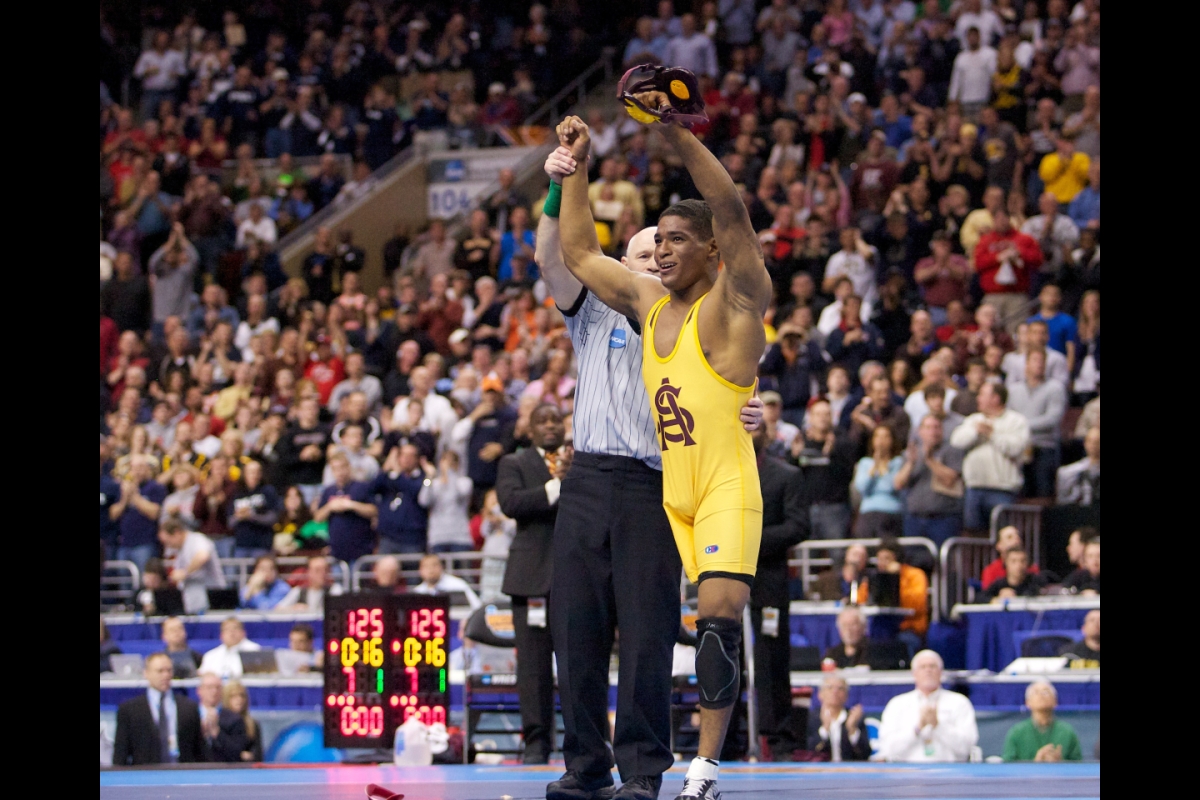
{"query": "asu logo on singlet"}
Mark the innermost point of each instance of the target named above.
(672, 415)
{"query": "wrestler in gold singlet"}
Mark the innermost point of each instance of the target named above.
(710, 475)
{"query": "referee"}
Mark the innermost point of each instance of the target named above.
(616, 565)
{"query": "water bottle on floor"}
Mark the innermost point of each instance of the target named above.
(412, 745)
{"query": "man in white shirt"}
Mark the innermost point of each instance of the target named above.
(831, 315)
(225, 659)
(928, 724)
(994, 439)
(197, 565)
(856, 261)
(159, 70)
(840, 732)
(258, 225)
(437, 415)
(932, 374)
(435, 580)
(1035, 337)
(971, 77)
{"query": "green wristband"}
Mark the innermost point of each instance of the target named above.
(553, 201)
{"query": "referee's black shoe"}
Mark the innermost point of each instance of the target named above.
(574, 786)
(640, 787)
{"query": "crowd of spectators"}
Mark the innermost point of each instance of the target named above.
(206, 117)
(925, 181)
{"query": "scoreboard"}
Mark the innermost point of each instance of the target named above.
(385, 661)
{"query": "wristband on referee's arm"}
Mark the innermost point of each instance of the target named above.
(553, 200)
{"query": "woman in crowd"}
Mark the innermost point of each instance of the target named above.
(497, 531)
(184, 482)
(447, 496)
(235, 698)
(882, 508)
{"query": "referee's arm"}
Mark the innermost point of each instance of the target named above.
(564, 287)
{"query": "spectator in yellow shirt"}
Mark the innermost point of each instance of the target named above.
(1065, 171)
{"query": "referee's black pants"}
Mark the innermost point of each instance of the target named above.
(615, 566)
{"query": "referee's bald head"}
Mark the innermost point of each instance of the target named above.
(639, 255)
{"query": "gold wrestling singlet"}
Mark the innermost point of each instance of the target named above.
(711, 491)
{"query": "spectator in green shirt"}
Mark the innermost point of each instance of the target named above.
(1042, 737)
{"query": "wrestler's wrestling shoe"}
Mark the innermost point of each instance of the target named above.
(574, 786)
(699, 789)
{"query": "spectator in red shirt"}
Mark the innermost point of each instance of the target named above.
(875, 175)
(943, 277)
(1006, 539)
(501, 108)
(957, 328)
(325, 369)
(108, 342)
(1005, 258)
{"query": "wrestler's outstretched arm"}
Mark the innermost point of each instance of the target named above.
(623, 290)
(744, 280)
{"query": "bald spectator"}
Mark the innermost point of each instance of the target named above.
(854, 649)
(385, 576)
(847, 582)
(928, 724)
(1085, 654)
(1042, 737)
(837, 733)
(309, 597)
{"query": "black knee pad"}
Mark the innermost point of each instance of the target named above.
(718, 661)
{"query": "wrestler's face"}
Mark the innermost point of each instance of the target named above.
(639, 255)
(683, 257)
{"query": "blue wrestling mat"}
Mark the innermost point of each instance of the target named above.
(739, 781)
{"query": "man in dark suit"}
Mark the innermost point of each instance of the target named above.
(527, 486)
(159, 727)
(785, 524)
(837, 733)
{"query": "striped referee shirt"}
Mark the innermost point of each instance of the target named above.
(612, 410)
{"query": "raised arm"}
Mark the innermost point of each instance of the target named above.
(745, 276)
(564, 287)
(617, 287)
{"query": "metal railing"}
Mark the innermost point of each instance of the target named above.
(807, 562)
(1025, 518)
(576, 90)
(465, 565)
(238, 570)
(335, 212)
(119, 583)
(961, 561)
